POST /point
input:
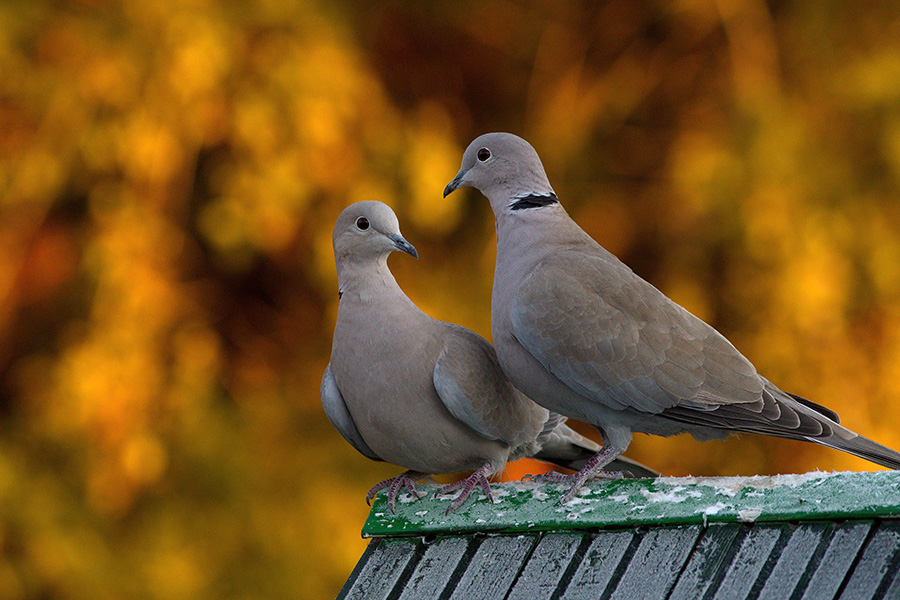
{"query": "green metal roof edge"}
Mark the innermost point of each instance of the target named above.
(526, 506)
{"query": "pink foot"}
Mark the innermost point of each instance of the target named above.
(593, 469)
(479, 478)
(407, 480)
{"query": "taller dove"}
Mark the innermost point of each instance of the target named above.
(579, 333)
(421, 393)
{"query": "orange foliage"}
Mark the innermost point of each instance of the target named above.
(170, 173)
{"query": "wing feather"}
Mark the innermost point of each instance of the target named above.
(471, 384)
(617, 340)
(340, 417)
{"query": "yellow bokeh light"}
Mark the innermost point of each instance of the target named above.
(170, 173)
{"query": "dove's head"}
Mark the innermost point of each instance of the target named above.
(368, 231)
(507, 170)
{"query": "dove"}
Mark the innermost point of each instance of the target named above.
(427, 395)
(581, 334)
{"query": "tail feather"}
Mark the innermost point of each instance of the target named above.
(839, 437)
(863, 448)
(785, 415)
(633, 467)
(822, 410)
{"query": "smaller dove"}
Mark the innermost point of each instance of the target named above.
(423, 394)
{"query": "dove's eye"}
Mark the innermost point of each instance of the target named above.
(484, 154)
(362, 223)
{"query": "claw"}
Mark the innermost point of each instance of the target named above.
(407, 480)
(479, 478)
(593, 469)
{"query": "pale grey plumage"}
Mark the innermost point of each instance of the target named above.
(580, 333)
(337, 413)
(417, 392)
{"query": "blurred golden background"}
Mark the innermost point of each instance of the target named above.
(170, 172)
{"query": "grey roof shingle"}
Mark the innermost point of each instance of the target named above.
(710, 555)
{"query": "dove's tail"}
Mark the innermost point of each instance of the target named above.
(840, 438)
(863, 448)
(781, 414)
(565, 447)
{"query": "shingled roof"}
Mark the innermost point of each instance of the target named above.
(812, 536)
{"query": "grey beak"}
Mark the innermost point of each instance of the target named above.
(455, 183)
(402, 245)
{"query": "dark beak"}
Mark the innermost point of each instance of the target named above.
(457, 181)
(402, 245)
